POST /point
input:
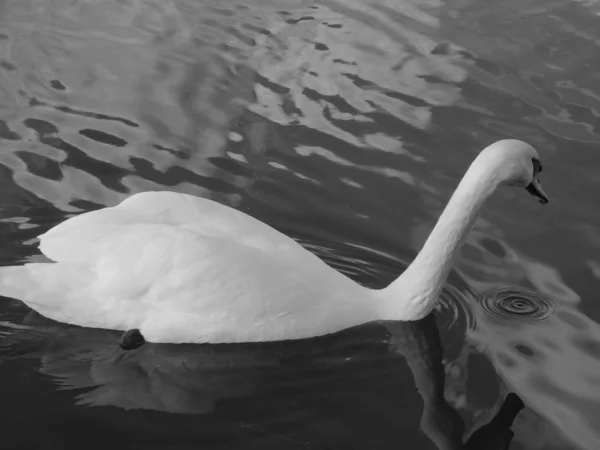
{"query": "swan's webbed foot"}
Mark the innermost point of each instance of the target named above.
(131, 340)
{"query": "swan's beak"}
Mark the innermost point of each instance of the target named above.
(535, 189)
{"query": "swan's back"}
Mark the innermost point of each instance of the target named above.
(73, 240)
(185, 269)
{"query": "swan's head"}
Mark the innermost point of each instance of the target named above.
(516, 163)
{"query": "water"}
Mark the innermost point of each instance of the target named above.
(346, 125)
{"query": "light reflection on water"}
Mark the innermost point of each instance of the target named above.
(345, 124)
(548, 352)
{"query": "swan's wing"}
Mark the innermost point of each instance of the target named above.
(175, 285)
(73, 239)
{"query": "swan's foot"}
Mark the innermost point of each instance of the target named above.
(131, 340)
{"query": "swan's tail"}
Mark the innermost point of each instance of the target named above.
(45, 287)
(16, 282)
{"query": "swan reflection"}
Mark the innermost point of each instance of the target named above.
(275, 381)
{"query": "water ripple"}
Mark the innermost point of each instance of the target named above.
(517, 305)
(453, 302)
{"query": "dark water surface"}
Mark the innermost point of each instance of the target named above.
(346, 124)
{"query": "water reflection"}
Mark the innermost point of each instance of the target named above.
(144, 89)
(420, 344)
(548, 352)
(133, 85)
(201, 379)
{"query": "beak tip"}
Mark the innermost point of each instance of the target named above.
(535, 189)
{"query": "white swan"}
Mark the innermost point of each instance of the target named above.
(178, 268)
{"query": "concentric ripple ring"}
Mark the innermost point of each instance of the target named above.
(517, 305)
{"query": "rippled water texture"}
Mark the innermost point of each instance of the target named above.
(549, 354)
(517, 305)
(346, 124)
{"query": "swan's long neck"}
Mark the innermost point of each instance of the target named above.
(414, 294)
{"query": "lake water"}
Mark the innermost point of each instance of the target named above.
(346, 124)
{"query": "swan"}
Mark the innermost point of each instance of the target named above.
(168, 267)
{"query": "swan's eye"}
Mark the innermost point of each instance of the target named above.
(537, 166)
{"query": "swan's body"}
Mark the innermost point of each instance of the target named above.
(186, 269)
